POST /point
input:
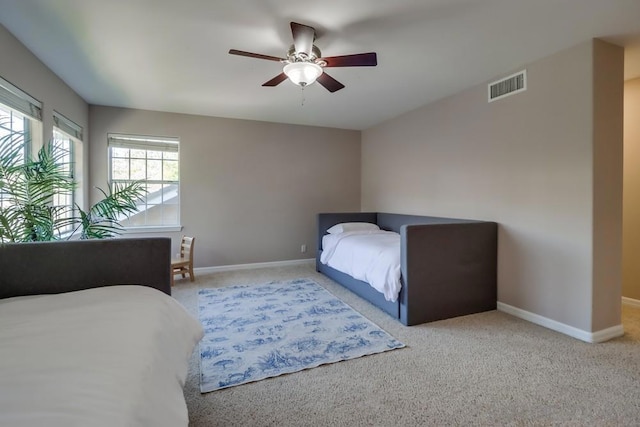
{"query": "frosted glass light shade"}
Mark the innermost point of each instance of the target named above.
(302, 73)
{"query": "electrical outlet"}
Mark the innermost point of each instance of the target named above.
(303, 249)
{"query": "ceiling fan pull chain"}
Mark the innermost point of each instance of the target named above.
(302, 92)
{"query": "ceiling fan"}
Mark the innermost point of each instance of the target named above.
(304, 63)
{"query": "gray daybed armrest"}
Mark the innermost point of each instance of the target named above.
(64, 266)
(450, 270)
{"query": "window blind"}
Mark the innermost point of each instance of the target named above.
(67, 126)
(141, 142)
(21, 101)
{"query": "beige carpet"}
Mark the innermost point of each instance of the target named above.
(485, 369)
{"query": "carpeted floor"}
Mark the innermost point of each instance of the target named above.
(485, 369)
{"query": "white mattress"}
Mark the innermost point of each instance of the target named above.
(370, 256)
(110, 356)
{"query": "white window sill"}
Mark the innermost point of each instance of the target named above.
(69, 236)
(154, 229)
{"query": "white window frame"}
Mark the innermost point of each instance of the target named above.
(76, 135)
(147, 143)
(74, 145)
(17, 122)
(20, 106)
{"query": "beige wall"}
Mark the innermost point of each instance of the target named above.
(525, 161)
(631, 212)
(21, 68)
(250, 190)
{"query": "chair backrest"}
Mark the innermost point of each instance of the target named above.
(186, 247)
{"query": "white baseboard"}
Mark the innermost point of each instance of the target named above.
(221, 268)
(590, 337)
(630, 301)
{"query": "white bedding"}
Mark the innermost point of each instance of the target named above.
(110, 356)
(370, 256)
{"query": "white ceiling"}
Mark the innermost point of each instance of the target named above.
(171, 55)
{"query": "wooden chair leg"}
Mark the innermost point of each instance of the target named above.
(191, 273)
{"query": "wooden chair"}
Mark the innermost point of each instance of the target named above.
(184, 263)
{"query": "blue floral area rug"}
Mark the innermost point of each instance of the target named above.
(261, 331)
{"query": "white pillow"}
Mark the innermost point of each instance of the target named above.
(352, 226)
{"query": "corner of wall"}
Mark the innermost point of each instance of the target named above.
(631, 191)
(608, 95)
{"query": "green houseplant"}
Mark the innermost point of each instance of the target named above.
(101, 220)
(28, 186)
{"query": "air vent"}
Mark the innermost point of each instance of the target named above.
(508, 86)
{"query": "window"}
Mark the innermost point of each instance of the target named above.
(12, 123)
(67, 136)
(154, 161)
(63, 200)
(20, 120)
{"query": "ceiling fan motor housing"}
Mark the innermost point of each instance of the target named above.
(293, 56)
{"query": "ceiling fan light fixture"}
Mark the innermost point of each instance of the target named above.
(302, 73)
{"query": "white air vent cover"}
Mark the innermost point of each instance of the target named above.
(508, 86)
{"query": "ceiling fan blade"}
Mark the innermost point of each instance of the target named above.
(329, 82)
(276, 80)
(303, 37)
(369, 59)
(254, 55)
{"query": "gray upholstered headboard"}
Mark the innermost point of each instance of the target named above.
(64, 266)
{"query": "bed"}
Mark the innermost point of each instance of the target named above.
(90, 336)
(448, 266)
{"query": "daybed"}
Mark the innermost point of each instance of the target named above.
(76, 350)
(448, 266)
